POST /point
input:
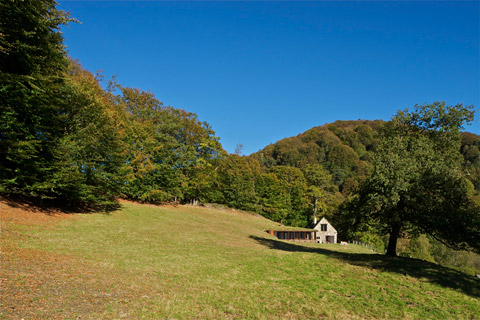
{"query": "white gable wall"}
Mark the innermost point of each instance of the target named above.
(330, 232)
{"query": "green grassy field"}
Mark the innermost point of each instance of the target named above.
(197, 263)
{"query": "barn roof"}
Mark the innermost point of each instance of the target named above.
(285, 228)
(323, 221)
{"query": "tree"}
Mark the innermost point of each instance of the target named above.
(319, 184)
(166, 149)
(33, 64)
(293, 186)
(416, 184)
(239, 149)
(89, 154)
(236, 179)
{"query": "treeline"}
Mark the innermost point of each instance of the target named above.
(64, 137)
(68, 138)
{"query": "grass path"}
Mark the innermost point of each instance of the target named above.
(197, 263)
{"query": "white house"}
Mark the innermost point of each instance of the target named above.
(326, 232)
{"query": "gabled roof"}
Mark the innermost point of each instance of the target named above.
(323, 221)
(286, 228)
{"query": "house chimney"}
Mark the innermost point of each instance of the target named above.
(315, 220)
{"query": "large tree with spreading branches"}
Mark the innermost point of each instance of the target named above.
(416, 184)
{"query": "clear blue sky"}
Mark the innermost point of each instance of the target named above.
(262, 71)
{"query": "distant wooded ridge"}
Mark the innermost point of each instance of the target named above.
(345, 148)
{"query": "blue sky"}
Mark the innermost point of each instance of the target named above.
(258, 72)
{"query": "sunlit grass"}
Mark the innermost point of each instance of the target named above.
(187, 262)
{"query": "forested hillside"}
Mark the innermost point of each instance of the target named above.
(344, 148)
(345, 151)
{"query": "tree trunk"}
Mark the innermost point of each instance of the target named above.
(392, 241)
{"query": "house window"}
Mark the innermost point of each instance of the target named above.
(323, 227)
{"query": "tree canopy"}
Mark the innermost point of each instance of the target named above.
(417, 184)
(33, 65)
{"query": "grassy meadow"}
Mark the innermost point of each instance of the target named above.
(150, 262)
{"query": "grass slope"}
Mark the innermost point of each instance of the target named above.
(161, 262)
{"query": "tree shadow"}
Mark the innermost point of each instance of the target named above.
(54, 206)
(427, 271)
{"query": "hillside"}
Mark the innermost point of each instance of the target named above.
(146, 261)
(344, 148)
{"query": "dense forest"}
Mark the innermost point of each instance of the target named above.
(68, 137)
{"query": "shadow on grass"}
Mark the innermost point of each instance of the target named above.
(431, 272)
(54, 206)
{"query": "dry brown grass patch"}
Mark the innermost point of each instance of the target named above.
(27, 214)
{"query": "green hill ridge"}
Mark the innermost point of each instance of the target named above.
(345, 148)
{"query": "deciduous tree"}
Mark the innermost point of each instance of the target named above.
(417, 184)
(319, 186)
